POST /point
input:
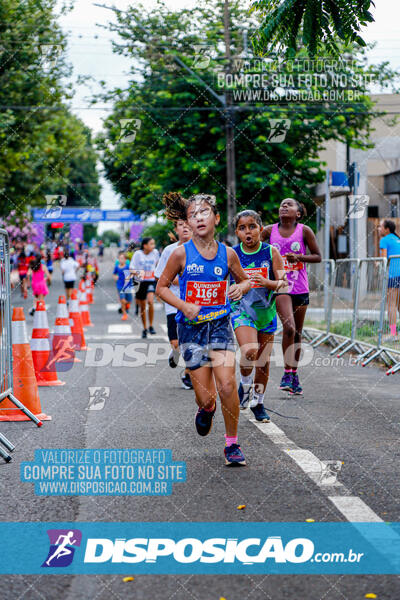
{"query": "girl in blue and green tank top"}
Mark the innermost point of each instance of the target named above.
(254, 315)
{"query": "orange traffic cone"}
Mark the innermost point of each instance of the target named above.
(84, 307)
(24, 381)
(89, 293)
(78, 337)
(63, 349)
(40, 346)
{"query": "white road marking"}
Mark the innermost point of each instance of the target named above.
(351, 507)
(113, 307)
(120, 328)
(164, 327)
(354, 509)
(132, 336)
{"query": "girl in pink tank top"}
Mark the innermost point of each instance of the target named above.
(292, 239)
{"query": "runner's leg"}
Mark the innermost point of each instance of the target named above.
(265, 344)
(142, 311)
(299, 316)
(204, 387)
(285, 311)
(247, 340)
(223, 368)
(150, 303)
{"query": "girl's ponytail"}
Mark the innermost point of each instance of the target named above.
(175, 206)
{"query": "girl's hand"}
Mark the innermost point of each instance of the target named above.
(235, 292)
(292, 257)
(191, 310)
(258, 278)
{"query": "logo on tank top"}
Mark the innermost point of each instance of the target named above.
(295, 246)
(265, 263)
(194, 268)
(217, 271)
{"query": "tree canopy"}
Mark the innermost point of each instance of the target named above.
(317, 24)
(44, 148)
(167, 131)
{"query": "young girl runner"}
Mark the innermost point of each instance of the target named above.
(254, 316)
(39, 274)
(119, 274)
(292, 239)
(184, 234)
(204, 329)
(142, 265)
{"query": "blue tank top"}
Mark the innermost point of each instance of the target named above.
(259, 302)
(205, 281)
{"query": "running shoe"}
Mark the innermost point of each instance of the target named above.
(186, 382)
(152, 330)
(124, 317)
(260, 413)
(203, 420)
(244, 397)
(144, 334)
(234, 456)
(32, 312)
(137, 309)
(120, 310)
(173, 358)
(296, 388)
(286, 382)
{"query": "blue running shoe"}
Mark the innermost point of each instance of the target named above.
(244, 397)
(234, 456)
(203, 420)
(296, 388)
(260, 413)
(286, 382)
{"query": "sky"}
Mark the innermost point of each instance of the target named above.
(90, 53)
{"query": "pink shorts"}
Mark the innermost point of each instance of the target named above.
(40, 289)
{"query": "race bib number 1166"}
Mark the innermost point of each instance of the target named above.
(206, 293)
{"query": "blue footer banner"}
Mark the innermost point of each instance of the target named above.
(207, 548)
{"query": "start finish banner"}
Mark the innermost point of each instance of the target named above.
(81, 215)
(194, 548)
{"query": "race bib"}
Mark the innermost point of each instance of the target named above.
(206, 293)
(298, 266)
(148, 275)
(264, 271)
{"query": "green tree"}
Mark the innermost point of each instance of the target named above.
(81, 180)
(177, 135)
(41, 142)
(317, 23)
(110, 236)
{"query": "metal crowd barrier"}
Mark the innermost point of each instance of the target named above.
(6, 366)
(320, 277)
(388, 345)
(361, 300)
(345, 294)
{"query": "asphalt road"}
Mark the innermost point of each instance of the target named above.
(349, 416)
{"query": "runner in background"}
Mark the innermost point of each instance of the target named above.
(292, 239)
(69, 267)
(184, 234)
(23, 266)
(39, 275)
(204, 330)
(49, 261)
(254, 316)
(389, 245)
(142, 266)
(120, 273)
